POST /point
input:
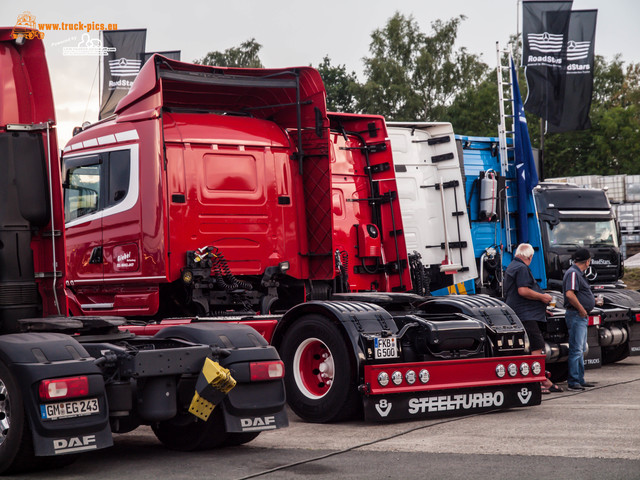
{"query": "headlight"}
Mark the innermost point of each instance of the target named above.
(536, 368)
(524, 369)
(512, 369)
(410, 377)
(396, 377)
(424, 375)
(500, 371)
(383, 379)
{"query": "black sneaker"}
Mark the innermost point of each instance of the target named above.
(576, 387)
(587, 385)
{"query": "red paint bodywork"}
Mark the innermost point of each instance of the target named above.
(212, 179)
(26, 99)
(351, 211)
(233, 182)
(446, 375)
(264, 327)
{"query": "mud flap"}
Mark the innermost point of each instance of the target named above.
(593, 358)
(45, 446)
(634, 338)
(441, 403)
(258, 423)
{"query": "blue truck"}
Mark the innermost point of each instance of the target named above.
(465, 234)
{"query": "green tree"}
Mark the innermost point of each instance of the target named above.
(341, 86)
(414, 76)
(246, 55)
(475, 110)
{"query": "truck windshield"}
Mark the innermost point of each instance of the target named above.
(583, 233)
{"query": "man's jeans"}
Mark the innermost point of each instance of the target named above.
(577, 327)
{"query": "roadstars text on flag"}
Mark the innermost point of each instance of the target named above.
(578, 84)
(545, 26)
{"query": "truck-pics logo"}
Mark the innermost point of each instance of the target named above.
(26, 26)
(88, 47)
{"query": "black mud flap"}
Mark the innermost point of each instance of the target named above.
(63, 445)
(442, 403)
(634, 338)
(593, 358)
(258, 423)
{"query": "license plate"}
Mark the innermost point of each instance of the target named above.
(385, 347)
(76, 408)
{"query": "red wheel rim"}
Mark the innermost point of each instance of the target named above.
(313, 368)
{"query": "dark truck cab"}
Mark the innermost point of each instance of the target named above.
(573, 217)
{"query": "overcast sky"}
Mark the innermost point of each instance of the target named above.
(292, 33)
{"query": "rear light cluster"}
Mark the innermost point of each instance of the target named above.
(61, 388)
(512, 369)
(594, 320)
(637, 317)
(410, 377)
(261, 371)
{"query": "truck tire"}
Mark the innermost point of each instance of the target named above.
(16, 447)
(186, 433)
(320, 379)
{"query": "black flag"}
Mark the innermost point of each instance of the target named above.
(172, 54)
(120, 68)
(545, 29)
(579, 73)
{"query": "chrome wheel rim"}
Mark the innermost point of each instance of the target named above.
(5, 412)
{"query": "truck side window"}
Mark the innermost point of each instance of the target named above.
(82, 191)
(119, 171)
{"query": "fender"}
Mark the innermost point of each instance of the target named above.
(32, 357)
(501, 322)
(353, 318)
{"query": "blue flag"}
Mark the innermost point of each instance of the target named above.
(526, 174)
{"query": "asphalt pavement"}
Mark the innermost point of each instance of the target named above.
(593, 434)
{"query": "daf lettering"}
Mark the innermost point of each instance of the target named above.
(74, 444)
(258, 423)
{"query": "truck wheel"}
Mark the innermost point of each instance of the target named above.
(319, 377)
(240, 438)
(16, 447)
(186, 432)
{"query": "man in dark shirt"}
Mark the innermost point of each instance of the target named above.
(524, 295)
(578, 302)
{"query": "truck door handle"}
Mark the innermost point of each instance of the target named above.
(96, 255)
